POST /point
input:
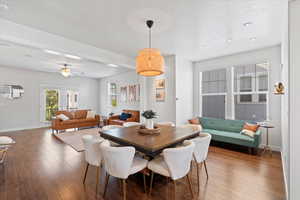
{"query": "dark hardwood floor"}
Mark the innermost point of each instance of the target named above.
(41, 167)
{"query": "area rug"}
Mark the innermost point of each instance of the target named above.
(73, 138)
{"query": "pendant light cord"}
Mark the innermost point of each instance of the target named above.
(150, 38)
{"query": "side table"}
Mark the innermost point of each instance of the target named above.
(267, 146)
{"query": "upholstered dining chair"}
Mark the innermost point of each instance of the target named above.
(109, 127)
(120, 162)
(5, 143)
(93, 155)
(175, 164)
(200, 152)
(129, 124)
(165, 124)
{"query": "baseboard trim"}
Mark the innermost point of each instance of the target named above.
(22, 128)
(284, 176)
(273, 147)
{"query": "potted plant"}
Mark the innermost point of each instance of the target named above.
(149, 116)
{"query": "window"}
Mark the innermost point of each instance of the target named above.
(112, 94)
(52, 103)
(250, 92)
(213, 93)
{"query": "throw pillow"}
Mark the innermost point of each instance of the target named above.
(62, 117)
(251, 127)
(124, 116)
(90, 114)
(248, 133)
(194, 121)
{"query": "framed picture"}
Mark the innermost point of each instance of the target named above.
(123, 94)
(160, 95)
(160, 84)
(132, 93)
(138, 95)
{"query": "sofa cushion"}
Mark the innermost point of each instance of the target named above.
(222, 124)
(80, 114)
(231, 137)
(66, 113)
(68, 122)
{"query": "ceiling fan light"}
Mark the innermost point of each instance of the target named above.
(66, 72)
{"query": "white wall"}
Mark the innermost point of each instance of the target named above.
(184, 90)
(294, 98)
(272, 55)
(25, 112)
(285, 100)
(167, 109)
(124, 79)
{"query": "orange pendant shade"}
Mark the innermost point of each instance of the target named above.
(149, 62)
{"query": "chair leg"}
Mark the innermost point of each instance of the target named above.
(190, 185)
(151, 183)
(205, 169)
(174, 189)
(106, 183)
(85, 173)
(97, 179)
(144, 179)
(198, 176)
(124, 189)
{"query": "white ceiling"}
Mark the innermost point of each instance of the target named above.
(195, 29)
(36, 59)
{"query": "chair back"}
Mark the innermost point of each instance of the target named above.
(109, 127)
(129, 124)
(201, 146)
(117, 160)
(179, 159)
(165, 124)
(92, 149)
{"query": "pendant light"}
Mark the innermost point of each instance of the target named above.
(149, 61)
(65, 71)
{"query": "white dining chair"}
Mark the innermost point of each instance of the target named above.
(110, 127)
(200, 152)
(120, 162)
(165, 124)
(175, 164)
(93, 155)
(5, 143)
(129, 124)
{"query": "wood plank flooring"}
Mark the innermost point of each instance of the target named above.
(40, 167)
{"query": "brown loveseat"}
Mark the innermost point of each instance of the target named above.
(115, 120)
(77, 119)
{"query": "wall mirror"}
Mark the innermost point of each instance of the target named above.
(11, 91)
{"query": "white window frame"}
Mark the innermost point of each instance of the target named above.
(201, 95)
(257, 92)
(253, 91)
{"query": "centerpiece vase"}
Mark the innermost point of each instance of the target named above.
(149, 124)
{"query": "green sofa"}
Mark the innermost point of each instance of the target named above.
(229, 131)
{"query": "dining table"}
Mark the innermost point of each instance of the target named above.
(150, 145)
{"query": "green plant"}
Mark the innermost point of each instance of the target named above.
(149, 114)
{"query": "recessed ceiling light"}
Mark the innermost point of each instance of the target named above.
(112, 65)
(247, 24)
(51, 52)
(229, 40)
(252, 38)
(72, 57)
